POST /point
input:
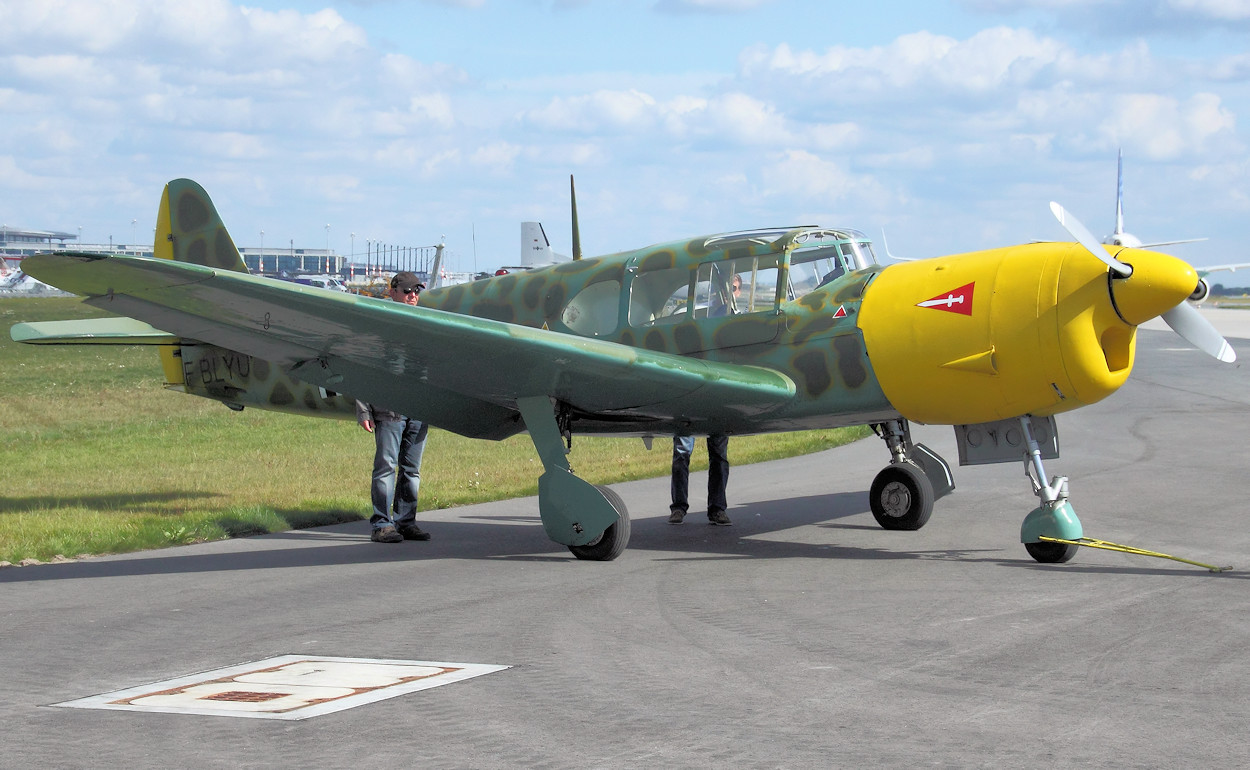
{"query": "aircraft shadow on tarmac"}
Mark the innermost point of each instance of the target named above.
(508, 538)
(128, 500)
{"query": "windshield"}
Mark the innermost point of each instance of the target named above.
(823, 256)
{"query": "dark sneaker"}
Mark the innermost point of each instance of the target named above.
(675, 517)
(412, 532)
(718, 519)
(386, 534)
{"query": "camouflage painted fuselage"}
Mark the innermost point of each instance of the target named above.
(814, 340)
(238, 380)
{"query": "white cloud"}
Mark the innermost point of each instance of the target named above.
(1013, 5)
(571, 155)
(432, 109)
(996, 87)
(812, 181)
(497, 156)
(598, 111)
(235, 145)
(746, 120)
(990, 59)
(709, 6)
(1165, 128)
(338, 187)
(1125, 18)
(217, 30)
(1227, 10)
(403, 73)
(729, 119)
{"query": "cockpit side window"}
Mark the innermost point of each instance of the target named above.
(813, 268)
(736, 286)
(595, 310)
(659, 296)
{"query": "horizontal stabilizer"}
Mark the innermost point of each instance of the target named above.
(91, 331)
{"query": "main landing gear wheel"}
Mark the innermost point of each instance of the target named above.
(1051, 553)
(612, 542)
(901, 497)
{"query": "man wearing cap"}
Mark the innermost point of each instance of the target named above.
(399, 441)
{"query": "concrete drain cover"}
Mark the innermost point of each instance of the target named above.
(286, 687)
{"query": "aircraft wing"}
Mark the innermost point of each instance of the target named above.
(1202, 271)
(1157, 244)
(458, 372)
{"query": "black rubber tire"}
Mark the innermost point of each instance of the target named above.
(612, 542)
(901, 497)
(1051, 553)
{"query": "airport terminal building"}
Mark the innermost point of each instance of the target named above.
(16, 244)
(377, 263)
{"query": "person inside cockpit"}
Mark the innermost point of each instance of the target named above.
(728, 305)
(831, 276)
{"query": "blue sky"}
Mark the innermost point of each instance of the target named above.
(950, 124)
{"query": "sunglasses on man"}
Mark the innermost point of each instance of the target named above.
(406, 291)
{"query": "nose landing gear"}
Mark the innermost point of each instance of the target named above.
(1054, 518)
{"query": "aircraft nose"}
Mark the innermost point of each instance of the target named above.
(1159, 282)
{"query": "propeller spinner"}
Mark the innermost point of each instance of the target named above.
(1159, 286)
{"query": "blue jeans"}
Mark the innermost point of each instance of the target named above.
(717, 473)
(398, 443)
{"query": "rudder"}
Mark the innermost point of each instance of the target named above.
(188, 229)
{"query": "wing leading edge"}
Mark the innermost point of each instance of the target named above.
(458, 372)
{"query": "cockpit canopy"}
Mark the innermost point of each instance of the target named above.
(817, 255)
(822, 256)
(728, 274)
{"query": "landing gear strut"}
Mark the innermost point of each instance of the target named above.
(1054, 518)
(592, 521)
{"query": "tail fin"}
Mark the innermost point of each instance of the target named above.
(188, 229)
(535, 248)
(435, 279)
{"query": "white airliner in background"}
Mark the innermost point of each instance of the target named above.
(1121, 238)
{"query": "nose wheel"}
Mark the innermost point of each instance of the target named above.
(1051, 553)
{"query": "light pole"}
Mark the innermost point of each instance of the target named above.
(133, 237)
(327, 249)
(261, 263)
(353, 255)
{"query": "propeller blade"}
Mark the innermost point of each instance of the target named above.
(1186, 321)
(1086, 239)
(1143, 298)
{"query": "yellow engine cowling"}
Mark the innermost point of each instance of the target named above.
(1021, 330)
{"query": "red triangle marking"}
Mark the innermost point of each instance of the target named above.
(841, 312)
(953, 301)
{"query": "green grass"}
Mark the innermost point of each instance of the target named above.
(98, 458)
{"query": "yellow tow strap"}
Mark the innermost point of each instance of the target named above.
(1103, 544)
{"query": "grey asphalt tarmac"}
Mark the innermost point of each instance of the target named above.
(802, 636)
